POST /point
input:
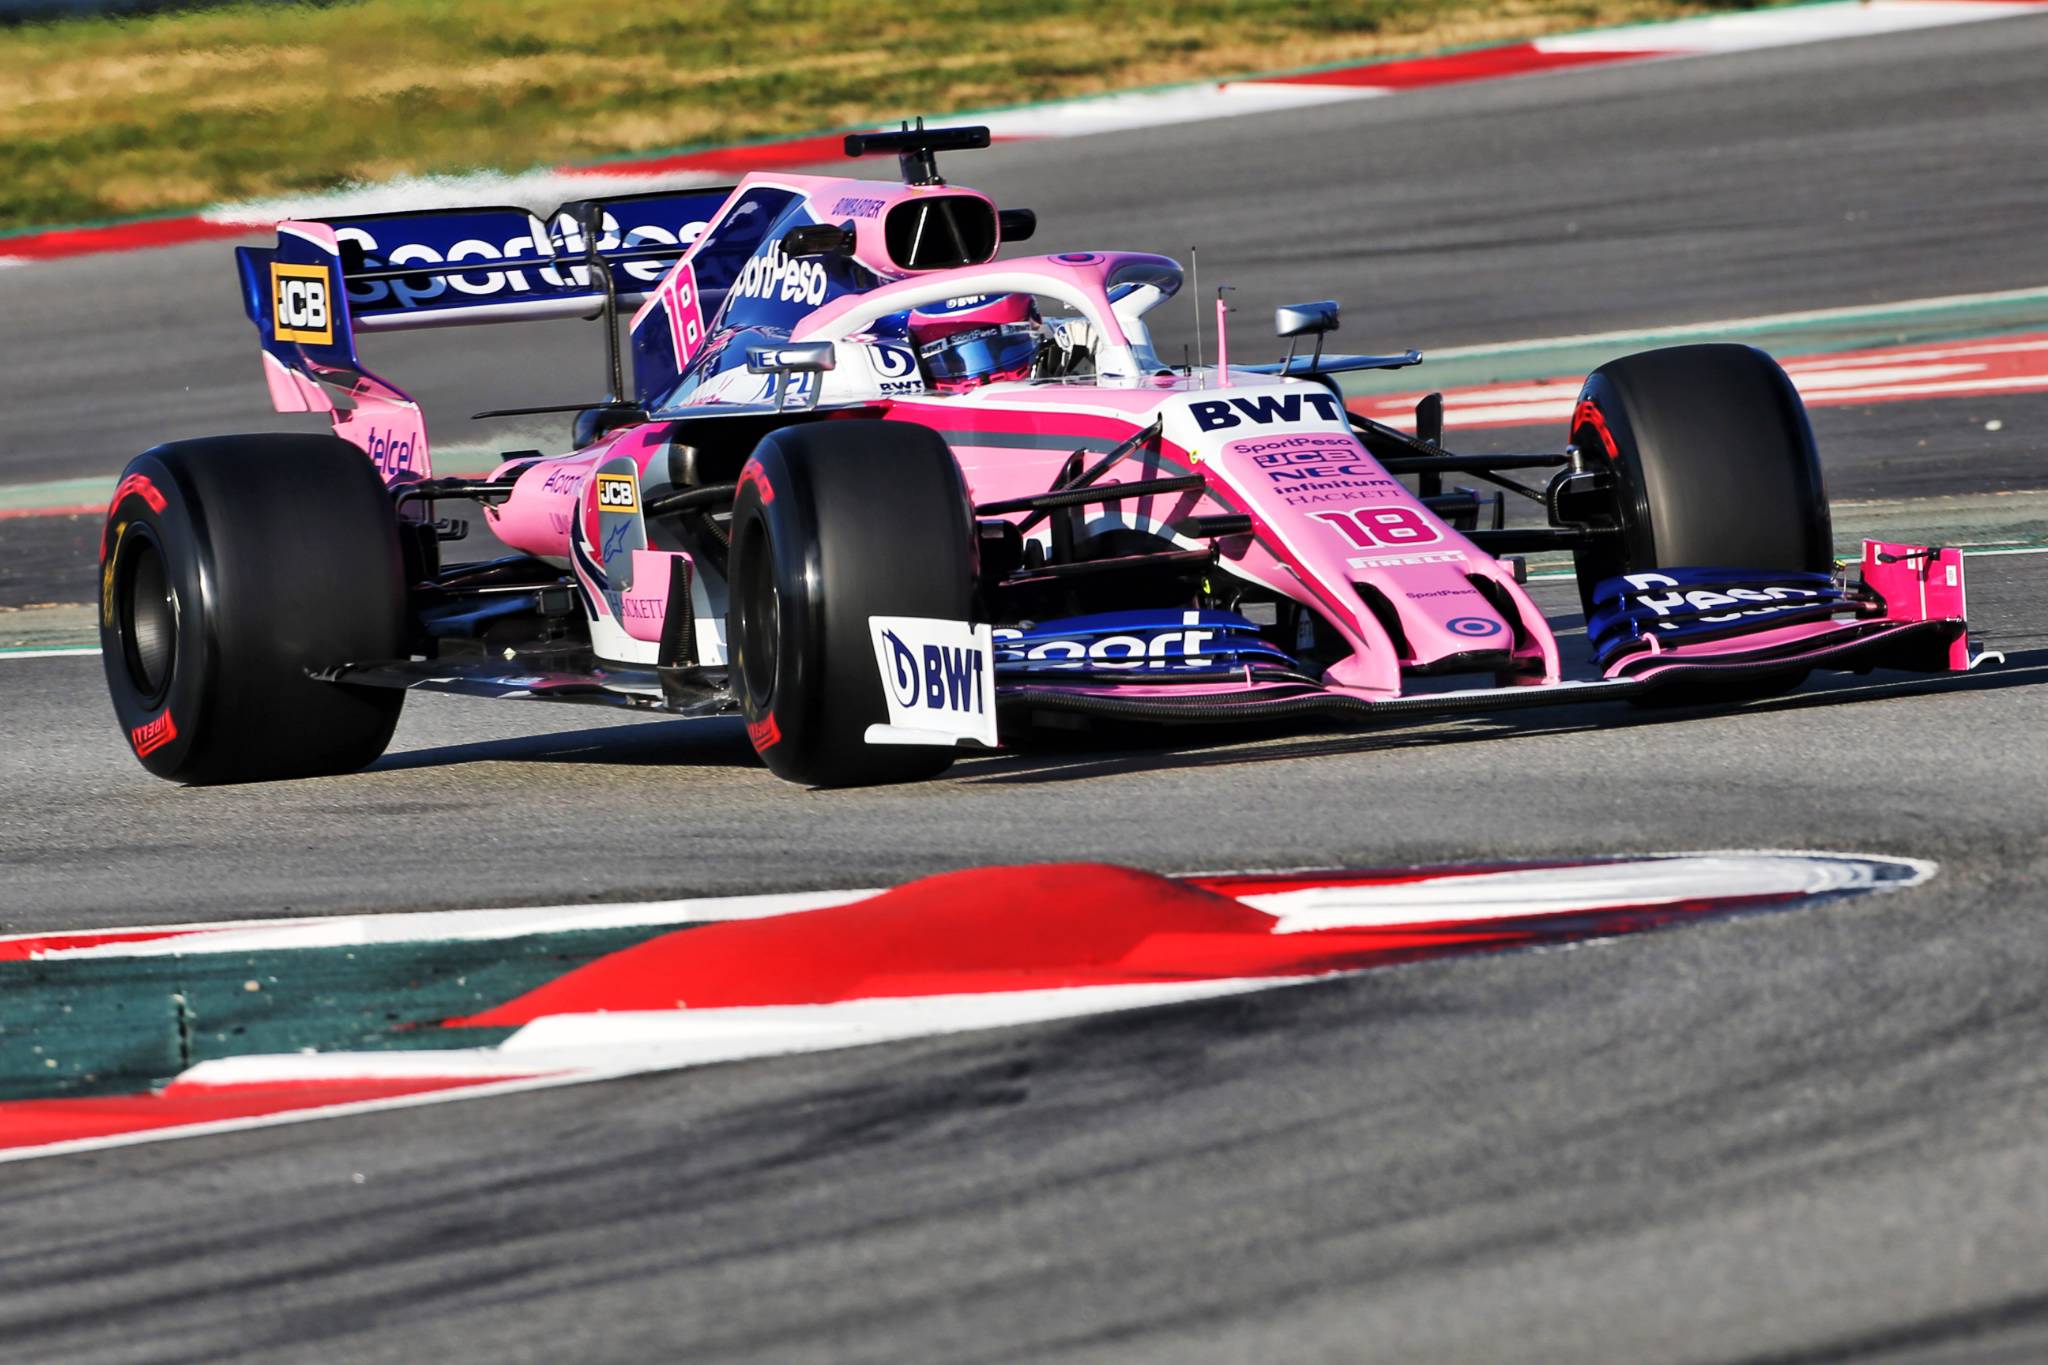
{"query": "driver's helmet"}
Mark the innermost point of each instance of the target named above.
(965, 343)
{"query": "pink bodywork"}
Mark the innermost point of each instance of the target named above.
(378, 418)
(1333, 530)
(834, 199)
(1422, 566)
(553, 500)
(1919, 585)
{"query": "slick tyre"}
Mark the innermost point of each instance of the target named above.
(1712, 460)
(836, 522)
(1713, 464)
(229, 568)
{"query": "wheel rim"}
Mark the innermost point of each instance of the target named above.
(760, 618)
(147, 605)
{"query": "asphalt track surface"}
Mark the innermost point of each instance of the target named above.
(1805, 1137)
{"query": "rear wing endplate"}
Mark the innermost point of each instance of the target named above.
(329, 279)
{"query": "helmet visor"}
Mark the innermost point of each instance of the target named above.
(1012, 347)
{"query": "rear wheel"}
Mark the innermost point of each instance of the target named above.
(229, 568)
(1713, 465)
(836, 522)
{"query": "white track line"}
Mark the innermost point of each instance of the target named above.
(1757, 322)
(1784, 26)
(436, 926)
(1528, 892)
(57, 652)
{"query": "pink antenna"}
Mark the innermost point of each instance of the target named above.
(1222, 339)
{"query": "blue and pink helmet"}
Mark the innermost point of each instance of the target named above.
(964, 343)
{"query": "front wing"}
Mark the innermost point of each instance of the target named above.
(1909, 608)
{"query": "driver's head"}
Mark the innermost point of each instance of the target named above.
(965, 343)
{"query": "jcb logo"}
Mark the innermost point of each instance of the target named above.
(301, 303)
(618, 493)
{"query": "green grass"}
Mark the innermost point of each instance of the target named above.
(120, 1025)
(103, 118)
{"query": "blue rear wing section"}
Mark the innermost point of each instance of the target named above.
(328, 279)
(293, 293)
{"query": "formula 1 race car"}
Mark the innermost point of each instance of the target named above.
(884, 495)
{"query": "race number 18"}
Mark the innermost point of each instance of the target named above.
(1381, 527)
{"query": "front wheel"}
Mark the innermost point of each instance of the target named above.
(835, 523)
(230, 568)
(1712, 463)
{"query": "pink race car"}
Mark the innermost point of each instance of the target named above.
(884, 495)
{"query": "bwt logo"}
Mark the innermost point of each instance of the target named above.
(301, 309)
(390, 451)
(1264, 409)
(893, 362)
(902, 669)
(949, 678)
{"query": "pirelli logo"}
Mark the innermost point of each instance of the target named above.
(302, 303)
(618, 493)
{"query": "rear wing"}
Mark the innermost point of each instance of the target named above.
(329, 279)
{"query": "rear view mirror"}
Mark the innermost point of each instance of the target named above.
(1305, 319)
(817, 239)
(1017, 225)
(1299, 320)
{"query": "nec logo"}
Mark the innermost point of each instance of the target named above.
(301, 304)
(617, 493)
(1265, 409)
